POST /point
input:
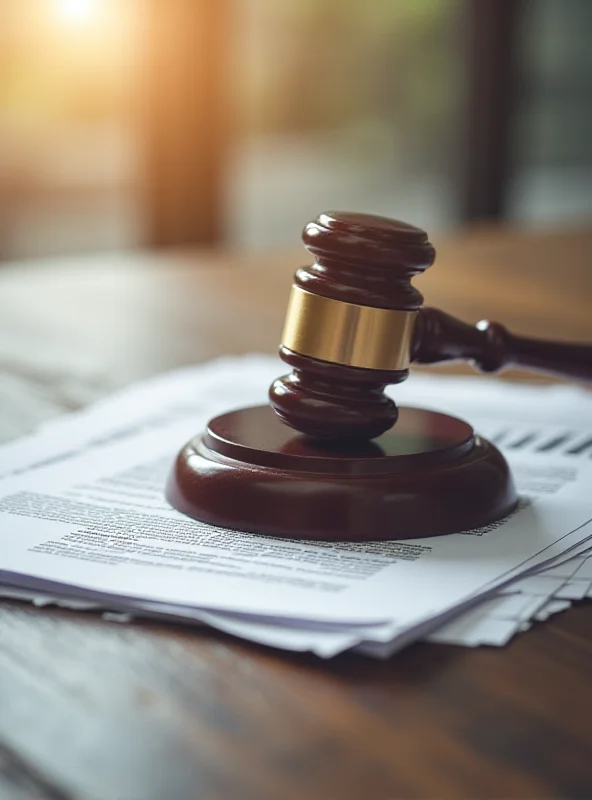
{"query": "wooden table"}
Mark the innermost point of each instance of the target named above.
(92, 709)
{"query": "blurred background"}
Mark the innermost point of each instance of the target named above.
(141, 123)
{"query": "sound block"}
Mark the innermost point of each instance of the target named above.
(429, 475)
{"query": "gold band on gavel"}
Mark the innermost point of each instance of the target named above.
(347, 333)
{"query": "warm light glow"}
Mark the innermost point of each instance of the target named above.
(80, 11)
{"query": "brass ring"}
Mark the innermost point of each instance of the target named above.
(347, 333)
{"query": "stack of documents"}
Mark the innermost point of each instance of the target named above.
(84, 523)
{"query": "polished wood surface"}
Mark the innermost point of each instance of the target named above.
(355, 322)
(491, 347)
(367, 262)
(92, 709)
(427, 476)
(326, 400)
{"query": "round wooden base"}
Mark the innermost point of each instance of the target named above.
(429, 475)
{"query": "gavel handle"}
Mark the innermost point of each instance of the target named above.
(439, 337)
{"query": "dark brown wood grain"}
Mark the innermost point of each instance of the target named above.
(369, 261)
(428, 476)
(491, 347)
(91, 709)
(365, 259)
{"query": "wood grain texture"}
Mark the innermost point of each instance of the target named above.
(96, 710)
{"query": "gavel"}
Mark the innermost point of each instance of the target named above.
(355, 323)
(332, 457)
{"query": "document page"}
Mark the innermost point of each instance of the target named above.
(546, 455)
(97, 520)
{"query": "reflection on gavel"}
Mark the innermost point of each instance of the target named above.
(355, 323)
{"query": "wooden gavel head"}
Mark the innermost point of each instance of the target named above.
(349, 326)
(355, 323)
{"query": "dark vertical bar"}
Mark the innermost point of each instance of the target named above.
(184, 120)
(492, 85)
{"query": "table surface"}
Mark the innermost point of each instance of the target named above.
(93, 709)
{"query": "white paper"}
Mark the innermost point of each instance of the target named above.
(552, 607)
(95, 533)
(149, 419)
(573, 590)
